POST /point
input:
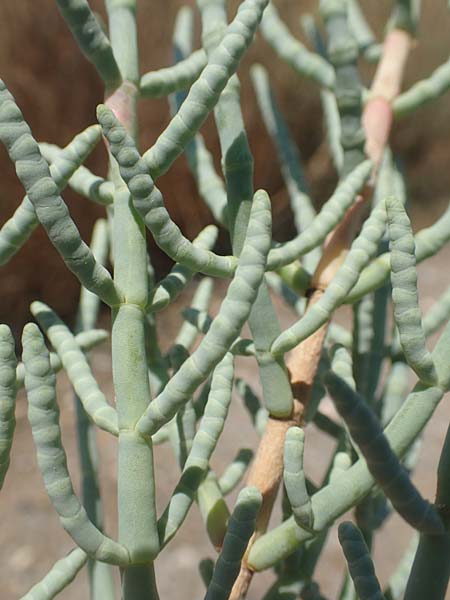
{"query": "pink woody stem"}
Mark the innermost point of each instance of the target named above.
(377, 116)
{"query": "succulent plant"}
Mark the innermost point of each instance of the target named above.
(358, 249)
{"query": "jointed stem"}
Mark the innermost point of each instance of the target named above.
(136, 487)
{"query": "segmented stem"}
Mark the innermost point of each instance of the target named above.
(239, 531)
(59, 577)
(203, 444)
(17, 230)
(43, 414)
(51, 210)
(91, 40)
(359, 562)
(77, 367)
(407, 313)
(226, 326)
(8, 390)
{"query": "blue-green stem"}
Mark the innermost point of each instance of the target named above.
(398, 580)
(91, 39)
(359, 562)
(237, 164)
(8, 390)
(136, 486)
(430, 572)
(100, 575)
(59, 577)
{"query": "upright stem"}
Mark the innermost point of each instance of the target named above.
(430, 572)
(101, 583)
(139, 582)
(123, 36)
(136, 486)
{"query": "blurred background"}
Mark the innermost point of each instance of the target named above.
(58, 91)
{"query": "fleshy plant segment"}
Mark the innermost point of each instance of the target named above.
(358, 249)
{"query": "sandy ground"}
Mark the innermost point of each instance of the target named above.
(31, 538)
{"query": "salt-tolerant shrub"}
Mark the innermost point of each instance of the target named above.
(359, 249)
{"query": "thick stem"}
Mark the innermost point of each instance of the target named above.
(136, 493)
(136, 487)
(430, 572)
(139, 582)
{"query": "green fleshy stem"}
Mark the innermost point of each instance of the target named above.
(89, 303)
(295, 480)
(172, 79)
(328, 100)
(238, 167)
(362, 250)
(428, 242)
(83, 181)
(225, 327)
(148, 201)
(258, 414)
(59, 577)
(342, 52)
(364, 36)
(43, 414)
(395, 391)
(203, 445)
(405, 15)
(235, 471)
(285, 588)
(440, 356)
(200, 301)
(213, 509)
(122, 25)
(51, 210)
(398, 580)
(342, 364)
(240, 528)
(210, 185)
(100, 574)
(290, 50)
(206, 568)
(438, 314)
(236, 157)
(77, 367)
(179, 276)
(341, 463)
(91, 39)
(283, 289)
(405, 299)
(183, 426)
(359, 562)
(430, 570)
(136, 486)
(288, 157)
(424, 91)
(86, 340)
(327, 219)
(16, 230)
(8, 390)
(333, 128)
(205, 92)
(382, 462)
